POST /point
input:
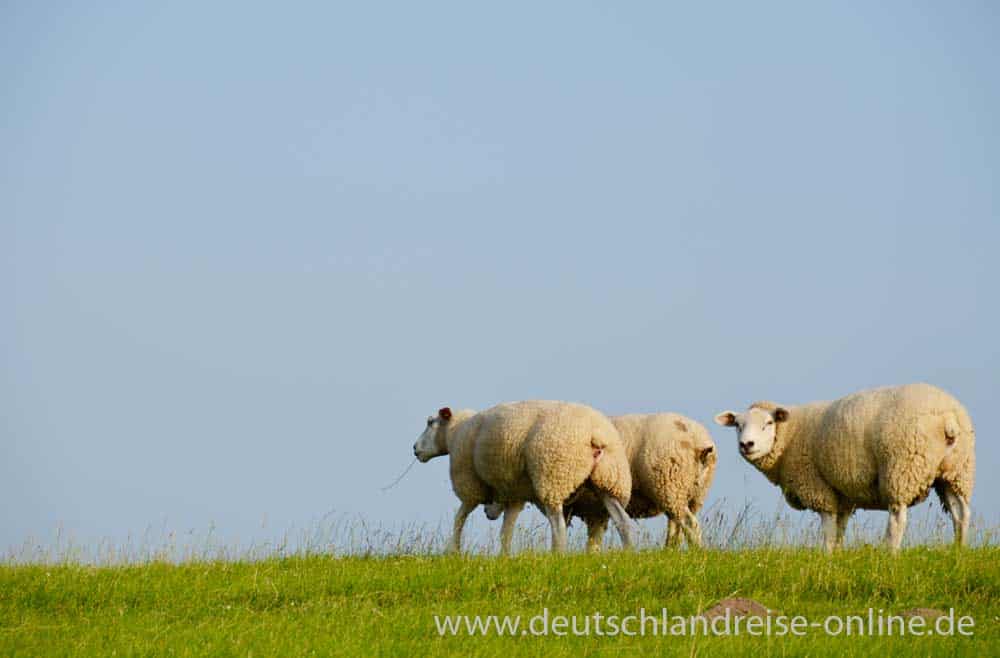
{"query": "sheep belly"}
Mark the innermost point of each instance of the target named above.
(849, 467)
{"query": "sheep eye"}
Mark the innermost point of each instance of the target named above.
(429, 423)
(770, 422)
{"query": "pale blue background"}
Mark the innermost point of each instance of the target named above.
(248, 247)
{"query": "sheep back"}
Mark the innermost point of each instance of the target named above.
(879, 447)
(544, 451)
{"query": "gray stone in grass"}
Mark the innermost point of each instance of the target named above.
(737, 607)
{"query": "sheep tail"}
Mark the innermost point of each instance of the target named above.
(952, 430)
(608, 473)
(958, 465)
(597, 445)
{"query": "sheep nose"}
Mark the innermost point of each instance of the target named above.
(746, 445)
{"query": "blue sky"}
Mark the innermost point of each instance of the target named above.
(247, 249)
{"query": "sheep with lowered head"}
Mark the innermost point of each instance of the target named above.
(672, 460)
(883, 449)
(539, 451)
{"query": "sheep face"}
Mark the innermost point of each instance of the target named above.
(757, 429)
(431, 442)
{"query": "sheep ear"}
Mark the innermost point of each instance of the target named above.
(444, 413)
(704, 454)
(780, 415)
(726, 419)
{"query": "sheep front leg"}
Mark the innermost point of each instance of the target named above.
(842, 518)
(896, 527)
(460, 516)
(618, 515)
(510, 512)
(829, 522)
(558, 523)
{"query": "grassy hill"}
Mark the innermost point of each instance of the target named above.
(387, 605)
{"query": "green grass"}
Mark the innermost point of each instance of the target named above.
(385, 605)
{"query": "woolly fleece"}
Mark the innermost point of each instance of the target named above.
(672, 460)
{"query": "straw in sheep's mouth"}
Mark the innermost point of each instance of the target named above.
(402, 475)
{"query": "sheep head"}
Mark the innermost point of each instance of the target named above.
(757, 428)
(431, 443)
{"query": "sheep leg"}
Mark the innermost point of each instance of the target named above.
(691, 529)
(595, 534)
(829, 521)
(460, 516)
(842, 518)
(959, 510)
(673, 533)
(510, 512)
(618, 515)
(558, 523)
(896, 527)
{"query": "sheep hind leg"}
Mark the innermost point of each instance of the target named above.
(958, 508)
(896, 527)
(460, 516)
(691, 529)
(557, 521)
(673, 533)
(618, 515)
(510, 513)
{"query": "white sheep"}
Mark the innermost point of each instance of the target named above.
(537, 451)
(672, 460)
(880, 449)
